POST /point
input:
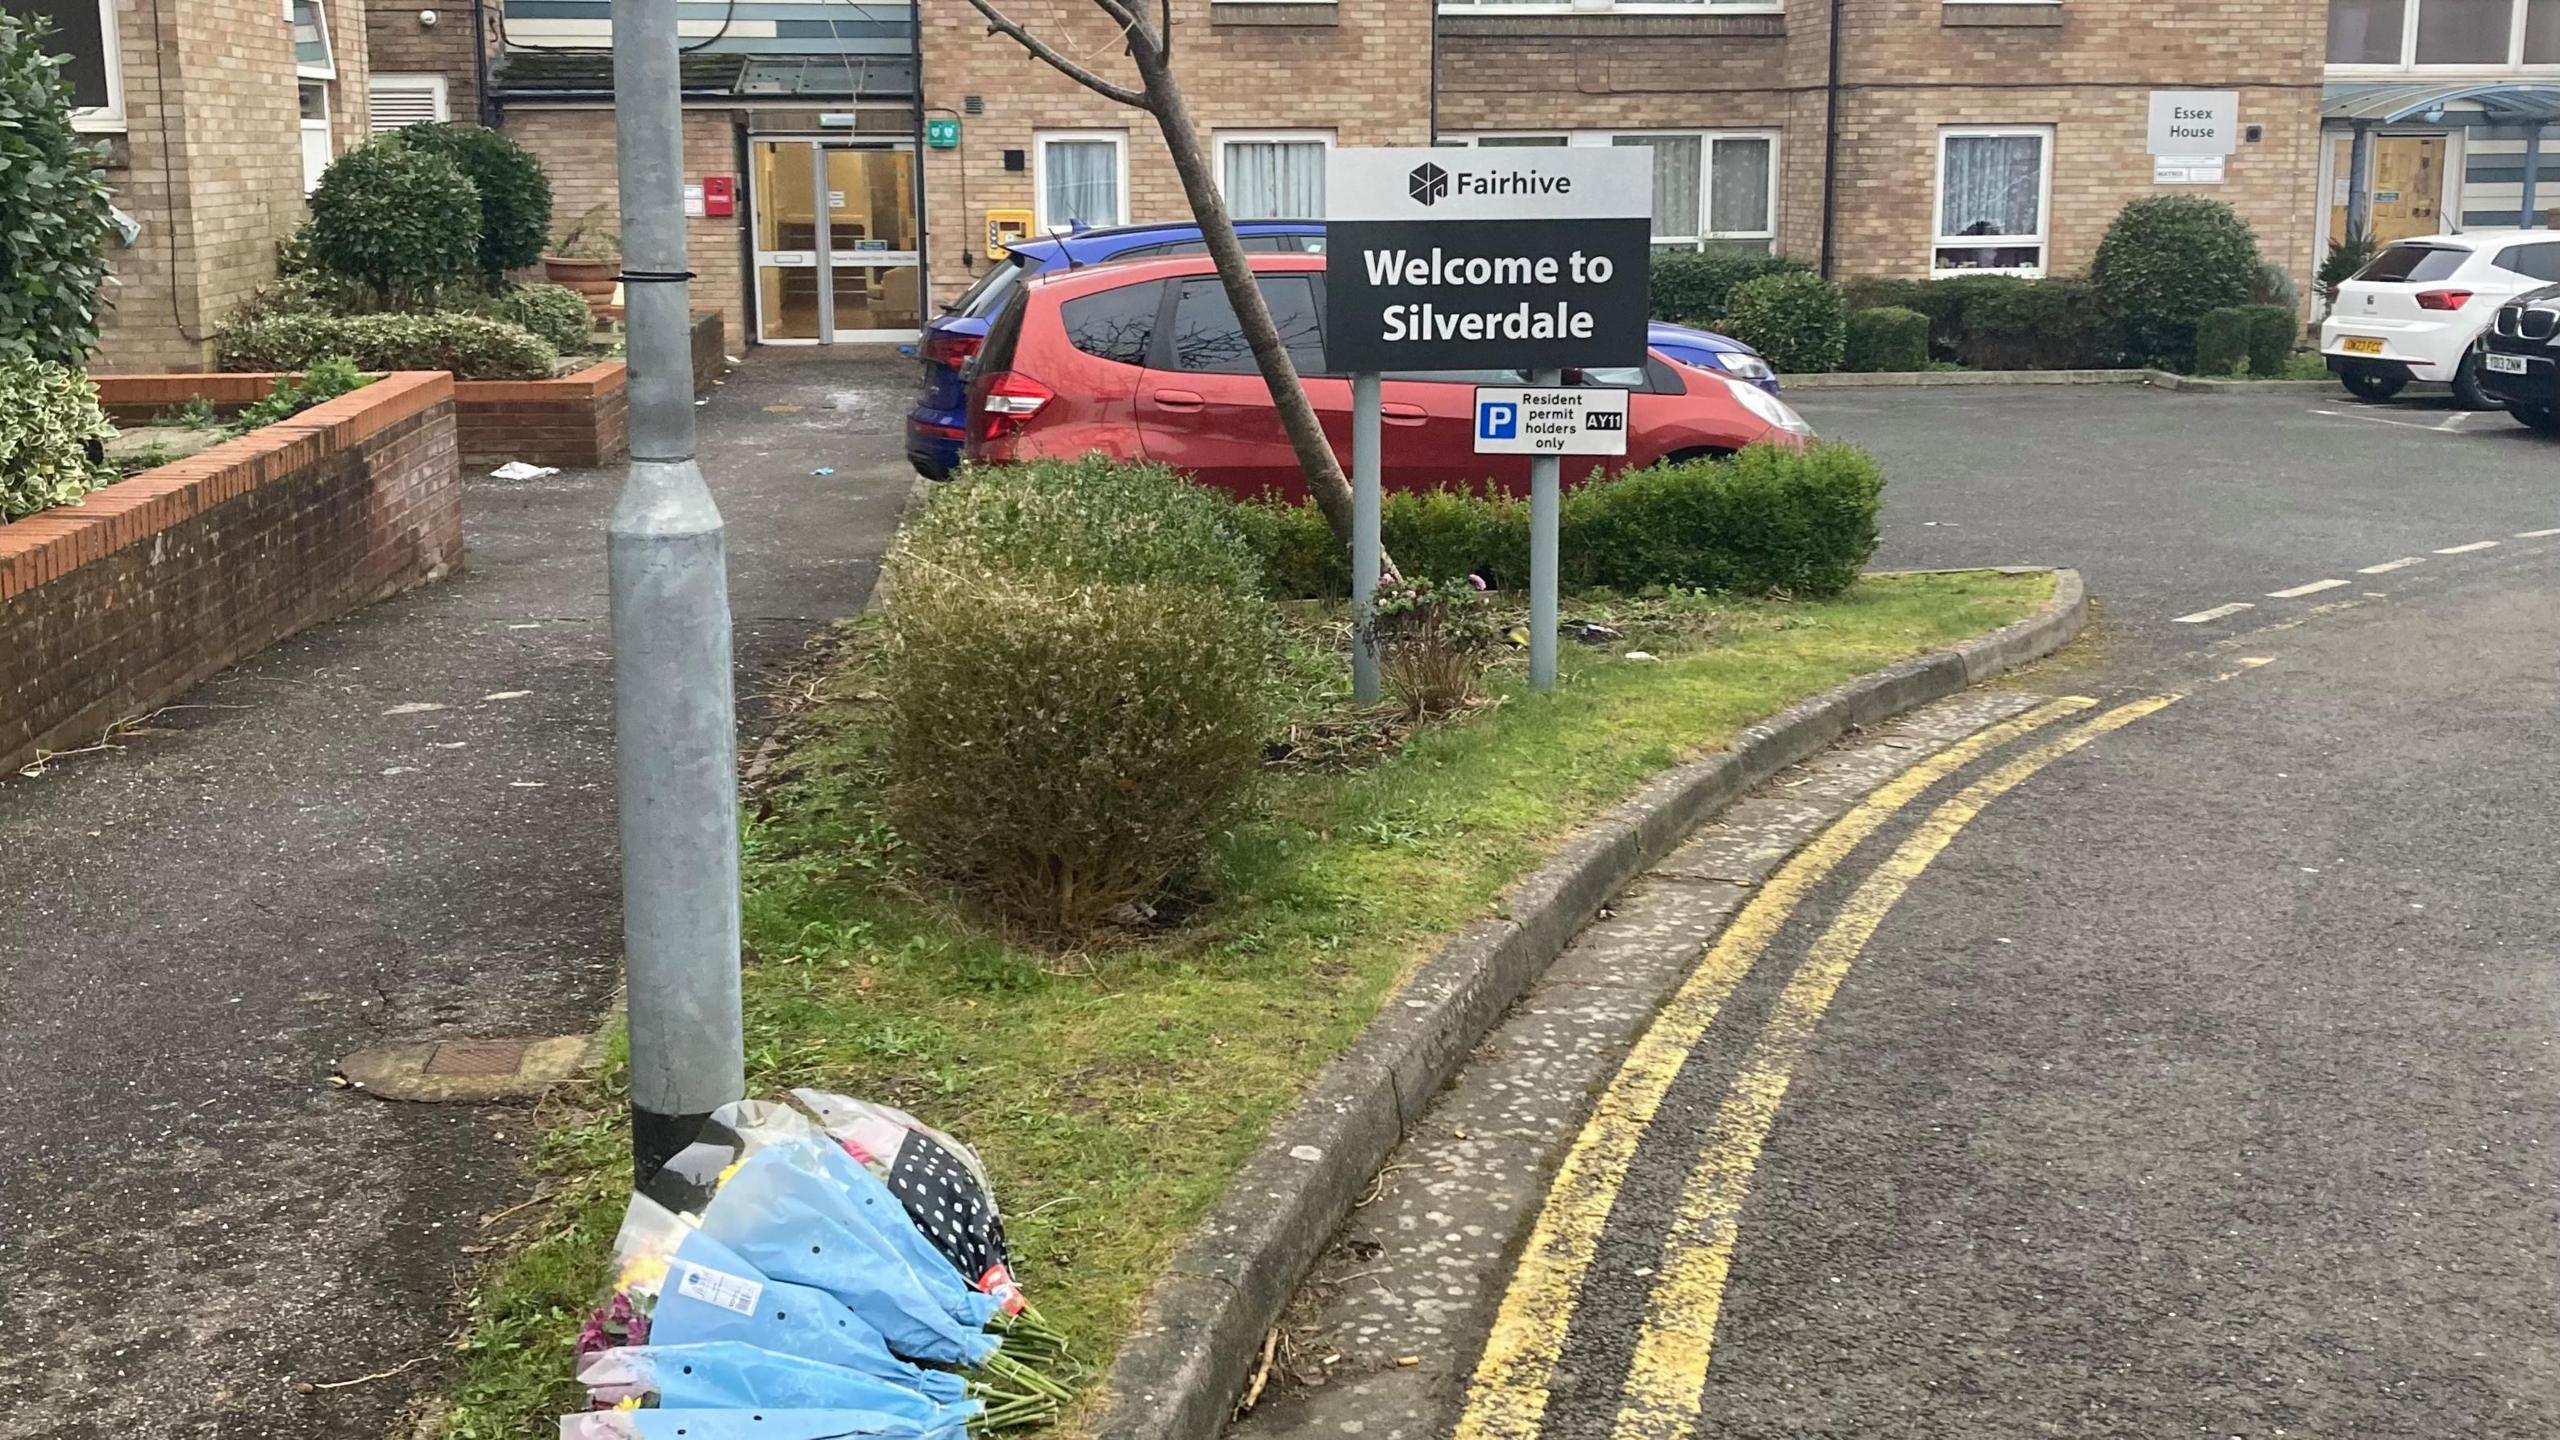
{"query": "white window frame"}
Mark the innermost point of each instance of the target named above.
(321, 127)
(1606, 139)
(1042, 221)
(107, 119)
(1221, 139)
(396, 82)
(320, 20)
(2042, 240)
(1613, 7)
(2408, 62)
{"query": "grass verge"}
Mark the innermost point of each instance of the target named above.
(1112, 1094)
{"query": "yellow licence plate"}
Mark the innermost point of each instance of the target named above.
(2360, 345)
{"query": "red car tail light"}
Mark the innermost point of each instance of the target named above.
(2443, 299)
(952, 350)
(1012, 399)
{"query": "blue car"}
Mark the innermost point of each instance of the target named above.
(938, 425)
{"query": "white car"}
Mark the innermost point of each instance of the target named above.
(2413, 313)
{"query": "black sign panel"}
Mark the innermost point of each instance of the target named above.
(1485, 294)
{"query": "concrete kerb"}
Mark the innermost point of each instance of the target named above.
(2162, 379)
(1201, 1332)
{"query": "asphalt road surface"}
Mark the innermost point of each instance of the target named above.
(297, 862)
(2179, 1064)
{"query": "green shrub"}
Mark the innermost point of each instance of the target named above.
(326, 380)
(54, 198)
(1887, 339)
(1693, 286)
(2273, 332)
(1298, 556)
(401, 220)
(2167, 260)
(51, 428)
(1767, 521)
(473, 347)
(1078, 686)
(2056, 324)
(2274, 286)
(1434, 639)
(1797, 321)
(2344, 259)
(515, 196)
(555, 312)
(2222, 341)
(1945, 302)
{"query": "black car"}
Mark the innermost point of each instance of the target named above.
(2520, 358)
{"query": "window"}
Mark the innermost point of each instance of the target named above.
(2415, 264)
(1208, 338)
(316, 149)
(2470, 34)
(311, 57)
(1992, 189)
(1269, 176)
(1083, 177)
(395, 102)
(85, 32)
(1604, 7)
(2538, 261)
(1708, 187)
(1113, 324)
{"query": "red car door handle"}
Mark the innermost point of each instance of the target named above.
(1396, 412)
(1179, 400)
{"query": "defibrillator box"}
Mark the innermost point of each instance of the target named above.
(1004, 227)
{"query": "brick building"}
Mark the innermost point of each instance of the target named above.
(215, 118)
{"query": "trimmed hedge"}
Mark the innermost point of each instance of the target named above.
(1887, 339)
(2167, 260)
(1692, 287)
(1797, 320)
(2056, 324)
(2273, 332)
(50, 427)
(555, 312)
(515, 196)
(1945, 302)
(53, 192)
(2253, 338)
(403, 221)
(473, 347)
(1767, 521)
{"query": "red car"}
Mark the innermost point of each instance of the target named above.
(1146, 361)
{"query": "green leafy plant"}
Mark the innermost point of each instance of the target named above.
(2275, 286)
(53, 207)
(2167, 260)
(2060, 323)
(52, 436)
(1798, 321)
(400, 220)
(591, 236)
(2255, 338)
(1078, 686)
(1435, 638)
(556, 313)
(1887, 339)
(1947, 303)
(2340, 265)
(2273, 332)
(472, 347)
(197, 414)
(1692, 286)
(515, 196)
(326, 380)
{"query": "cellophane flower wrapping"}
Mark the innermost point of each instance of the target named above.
(941, 1182)
(714, 1294)
(733, 1375)
(749, 1425)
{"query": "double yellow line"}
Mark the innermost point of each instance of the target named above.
(1665, 1385)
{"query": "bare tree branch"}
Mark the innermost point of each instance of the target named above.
(1000, 23)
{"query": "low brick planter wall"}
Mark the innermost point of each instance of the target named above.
(117, 605)
(576, 420)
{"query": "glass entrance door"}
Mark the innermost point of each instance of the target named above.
(836, 242)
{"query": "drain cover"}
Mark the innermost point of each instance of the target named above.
(475, 1057)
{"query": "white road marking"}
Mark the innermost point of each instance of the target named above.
(2216, 613)
(2535, 534)
(2454, 421)
(2387, 566)
(2468, 549)
(2436, 429)
(2314, 588)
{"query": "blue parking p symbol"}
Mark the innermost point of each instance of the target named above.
(1497, 420)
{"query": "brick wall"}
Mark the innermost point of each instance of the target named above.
(1363, 76)
(121, 603)
(1909, 67)
(576, 148)
(211, 163)
(577, 420)
(399, 45)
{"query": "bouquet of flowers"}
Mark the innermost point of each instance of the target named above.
(750, 1425)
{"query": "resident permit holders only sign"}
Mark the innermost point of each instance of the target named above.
(1577, 420)
(1459, 259)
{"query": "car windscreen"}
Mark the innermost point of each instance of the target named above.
(2414, 263)
(989, 294)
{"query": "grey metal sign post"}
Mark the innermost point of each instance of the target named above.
(674, 718)
(1460, 259)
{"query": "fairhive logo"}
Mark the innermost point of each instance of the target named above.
(1429, 184)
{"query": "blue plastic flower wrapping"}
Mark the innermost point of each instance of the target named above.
(732, 1375)
(750, 1425)
(890, 1220)
(712, 1294)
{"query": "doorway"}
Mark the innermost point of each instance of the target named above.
(836, 241)
(2409, 173)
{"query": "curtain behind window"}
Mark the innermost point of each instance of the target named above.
(1081, 182)
(1675, 182)
(1992, 184)
(1738, 196)
(1275, 179)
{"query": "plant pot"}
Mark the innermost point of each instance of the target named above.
(592, 279)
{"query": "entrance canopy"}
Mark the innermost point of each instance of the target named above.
(2463, 104)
